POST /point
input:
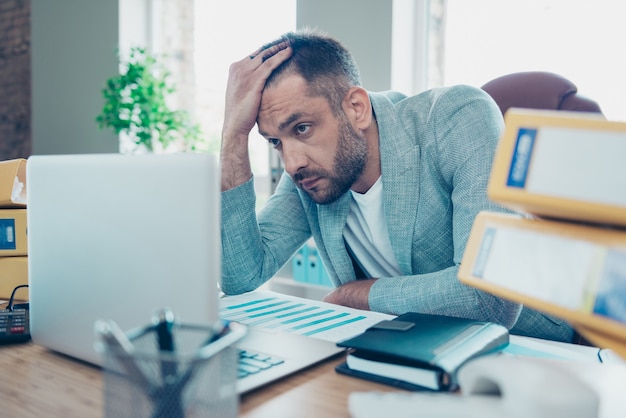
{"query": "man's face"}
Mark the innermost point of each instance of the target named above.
(322, 153)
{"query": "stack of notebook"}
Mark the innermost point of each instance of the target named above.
(417, 351)
(567, 257)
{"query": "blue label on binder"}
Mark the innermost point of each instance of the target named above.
(483, 252)
(7, 234)
(610, 298)
(521, 157)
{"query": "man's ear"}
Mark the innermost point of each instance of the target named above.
(357, 107)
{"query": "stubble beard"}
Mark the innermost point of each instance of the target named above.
(348, 166)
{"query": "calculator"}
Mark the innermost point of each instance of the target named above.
(14, 326)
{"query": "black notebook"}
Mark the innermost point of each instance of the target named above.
(420, 351)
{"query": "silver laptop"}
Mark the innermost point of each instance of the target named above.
(117, 237)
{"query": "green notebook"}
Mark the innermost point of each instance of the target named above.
(420, 351)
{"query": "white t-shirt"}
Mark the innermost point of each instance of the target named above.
(367, 236)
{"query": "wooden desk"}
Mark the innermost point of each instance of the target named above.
(36, 382)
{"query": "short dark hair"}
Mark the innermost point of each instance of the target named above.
(325, 64)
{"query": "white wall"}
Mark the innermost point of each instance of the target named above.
(73, 53)
(363, 26)
(74, 44)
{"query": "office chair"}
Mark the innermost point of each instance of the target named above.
(538, 90)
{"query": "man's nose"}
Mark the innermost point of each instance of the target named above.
(293, 158)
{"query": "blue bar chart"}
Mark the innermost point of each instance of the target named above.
(279, 312)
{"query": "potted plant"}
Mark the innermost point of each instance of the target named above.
(136, 105)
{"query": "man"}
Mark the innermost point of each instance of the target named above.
(387, 185)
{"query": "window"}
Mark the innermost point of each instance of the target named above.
(582, 41)
(226, 32)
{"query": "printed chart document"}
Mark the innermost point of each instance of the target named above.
(279, 312)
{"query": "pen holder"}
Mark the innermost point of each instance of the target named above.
(198, 379)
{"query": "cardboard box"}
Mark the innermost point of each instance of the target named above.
(13, 233)
(13, 272)
(13, 183)
(572, 271)
(564, 165)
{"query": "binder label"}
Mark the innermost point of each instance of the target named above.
(7, 234)
(483, 252)
(521, 157)
(570, 272)
(611, 294)
(548, 267)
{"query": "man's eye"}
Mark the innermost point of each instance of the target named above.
(275, 142)
(302, 129)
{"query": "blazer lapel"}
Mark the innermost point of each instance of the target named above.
(332, 219)
(400, 156)
(400, 198)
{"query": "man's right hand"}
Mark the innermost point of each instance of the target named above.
(246, 81)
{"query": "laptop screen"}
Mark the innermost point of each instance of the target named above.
(114, 236)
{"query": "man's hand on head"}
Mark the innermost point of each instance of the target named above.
(353, 294)
(246, 81)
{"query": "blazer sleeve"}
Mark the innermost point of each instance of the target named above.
(255, 247)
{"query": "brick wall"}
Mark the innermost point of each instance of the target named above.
(15, 83)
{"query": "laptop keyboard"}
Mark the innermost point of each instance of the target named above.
(251, 362)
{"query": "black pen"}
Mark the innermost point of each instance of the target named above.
(164, 327)
(164, 323)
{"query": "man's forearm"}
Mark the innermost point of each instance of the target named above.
(235, 163)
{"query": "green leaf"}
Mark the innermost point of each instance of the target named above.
(135, 103)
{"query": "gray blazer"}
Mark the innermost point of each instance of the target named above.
(436, 151)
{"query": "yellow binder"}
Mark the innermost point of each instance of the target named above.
(564, 165)
(13, 183)
(573, 271)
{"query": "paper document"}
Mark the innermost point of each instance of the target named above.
(608, 356)
(276, 311)
(535, 347)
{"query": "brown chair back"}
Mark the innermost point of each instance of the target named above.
(538, 90)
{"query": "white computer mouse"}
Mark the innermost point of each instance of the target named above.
(529, 387)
